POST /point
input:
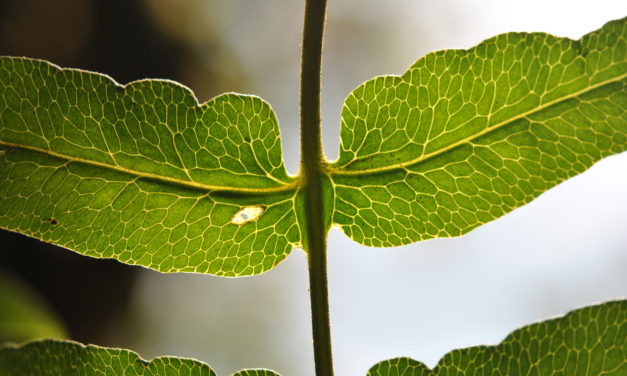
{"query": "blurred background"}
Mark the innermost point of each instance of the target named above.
(565, 250)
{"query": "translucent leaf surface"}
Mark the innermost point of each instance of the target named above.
(465, 136)
(587, 342)
(142, 173)
(256, 372)
(67, 358)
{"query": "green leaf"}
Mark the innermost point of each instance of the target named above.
(256, 372)
(67, 358)
(586, 342)
(465, 136)
(24, 314)
(143, 173)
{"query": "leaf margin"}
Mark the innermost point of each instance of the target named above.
(485, 351)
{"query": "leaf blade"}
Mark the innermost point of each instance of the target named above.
(68, 358)
(465, 136)
(587, 341)
(142, 173)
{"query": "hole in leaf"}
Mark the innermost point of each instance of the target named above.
(247, 214)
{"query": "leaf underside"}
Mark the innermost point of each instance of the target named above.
(465, 136)
(144, 174)
(587, 342)
(67, 358)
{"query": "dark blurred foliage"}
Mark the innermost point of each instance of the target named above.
(111, 36)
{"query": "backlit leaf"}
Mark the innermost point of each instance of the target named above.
(142, 173)
(465, 136)
(587, 342)
(67, 358)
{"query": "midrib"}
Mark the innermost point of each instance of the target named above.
(148, 175)
(338, 171)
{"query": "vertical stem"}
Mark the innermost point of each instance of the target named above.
(312, 160)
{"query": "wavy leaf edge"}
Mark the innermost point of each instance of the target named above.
(417, 223)
(292, 185)
(422, 369)
(272, 188)
(133, 356)
(331, 165)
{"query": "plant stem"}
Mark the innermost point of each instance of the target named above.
(312, 161)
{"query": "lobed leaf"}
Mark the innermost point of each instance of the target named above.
(465, 136)
(143, 173)
(67, 358)
(586, 342)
